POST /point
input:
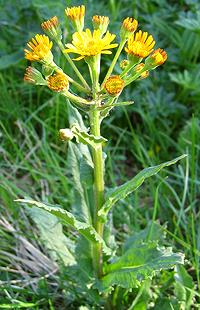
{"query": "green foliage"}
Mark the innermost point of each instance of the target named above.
(163, 120)
(124, 190)
(68, 219)
(138, 264)
(52, 236)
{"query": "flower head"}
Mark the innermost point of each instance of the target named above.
(33, 76)
(140, 45)
(129, 26)
(114, 85)
(52, 27)
(76, 15)
(40, 49)
(157, 58)
(88, 44)
(58, 82)
(100, 22)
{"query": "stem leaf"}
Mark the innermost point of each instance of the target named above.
(139, 263)
(85, 138)
(68, 218)
(127, 188)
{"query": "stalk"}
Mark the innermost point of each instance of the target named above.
(98, 188)
(97, 154)
(110, 70)
(70, 61)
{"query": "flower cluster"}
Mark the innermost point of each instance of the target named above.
(89, 45)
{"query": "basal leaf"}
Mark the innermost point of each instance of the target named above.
(138, 264)
(124, 190)
(68, 218)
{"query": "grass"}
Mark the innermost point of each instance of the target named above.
(163, 123)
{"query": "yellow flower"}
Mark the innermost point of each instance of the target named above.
(88, 44)
(76, 14)
(140, 45)
(158, 57)
(40, 49)
(114, 85)
(129, 26)
(100, 22)
(58, 82)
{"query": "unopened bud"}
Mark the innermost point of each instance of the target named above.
(128, 27)
(76, 14)
(52, 28)
(33, 76)
(58, 82)
(114, 85)
(100, 22)
(157, 58)
(66, 134)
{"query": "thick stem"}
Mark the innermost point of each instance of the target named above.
(98, 188)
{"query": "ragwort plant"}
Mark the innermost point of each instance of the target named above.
(101, 265)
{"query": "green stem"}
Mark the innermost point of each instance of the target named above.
(98, 188)
(110, 70)
(79, 75)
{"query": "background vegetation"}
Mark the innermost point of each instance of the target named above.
(162, 124)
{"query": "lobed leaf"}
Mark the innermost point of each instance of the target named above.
(124, 190)
(68, 218)
(86, 138)
(138, 264)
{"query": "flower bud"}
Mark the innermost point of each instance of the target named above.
(66, 134)
(33, 76)
(128, 27)
(144, 74)
(124, 63)
(76, 14)
(100, 22)
(114, 85)
(58, 82)
(52, 28)
(157, 58)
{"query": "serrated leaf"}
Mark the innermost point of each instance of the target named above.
(138, 264)
(68, 218)
(124, 190)
(86, 138)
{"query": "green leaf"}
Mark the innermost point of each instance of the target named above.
(138, 264)
(52, 236)
(124, 190)
(184, 286)
(142, 236)
(81, 165)
(75, 158)
(68, 218)
(85, 138)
